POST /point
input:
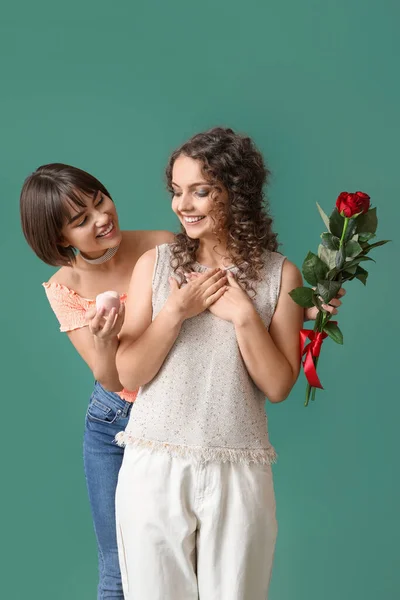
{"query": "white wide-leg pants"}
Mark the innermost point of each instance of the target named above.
(191, 530)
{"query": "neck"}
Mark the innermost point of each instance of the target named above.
(213, 255)
(104, 261)
(109, 265)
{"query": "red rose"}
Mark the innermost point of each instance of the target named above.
(352, 204)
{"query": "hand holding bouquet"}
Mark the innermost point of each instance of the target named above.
(344, 249)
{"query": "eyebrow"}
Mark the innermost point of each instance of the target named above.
(80, 214)
(193, 184)
(75, 217)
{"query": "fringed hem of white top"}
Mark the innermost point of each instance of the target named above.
(261, 456)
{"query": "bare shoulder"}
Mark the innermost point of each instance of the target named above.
(288, 316)
(65, 276)
(291, 276)
(146, 261)
(141, 278)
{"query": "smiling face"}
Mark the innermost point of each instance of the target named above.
(93, 227)
(194, 198)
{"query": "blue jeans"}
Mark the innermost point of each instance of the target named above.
(107, 414)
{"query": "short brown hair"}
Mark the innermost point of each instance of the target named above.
(43, 209)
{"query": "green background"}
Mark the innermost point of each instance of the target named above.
(113, 91)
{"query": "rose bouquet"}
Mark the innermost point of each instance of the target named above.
(343, 250)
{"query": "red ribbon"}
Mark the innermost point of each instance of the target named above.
(311, 351)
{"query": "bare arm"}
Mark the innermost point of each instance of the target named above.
(104, 351)
(144, 344)
(99, 355)
(273, 357)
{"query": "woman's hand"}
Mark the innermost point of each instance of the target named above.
(310, 314)
(198, 295)
(103, 327)
(233, 305)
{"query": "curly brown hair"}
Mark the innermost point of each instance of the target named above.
(244, 222)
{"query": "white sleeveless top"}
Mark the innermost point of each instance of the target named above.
(203, 402)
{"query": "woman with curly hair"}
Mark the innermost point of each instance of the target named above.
(212, 333)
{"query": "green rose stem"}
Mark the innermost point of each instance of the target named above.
(308, 391)
(346, 222)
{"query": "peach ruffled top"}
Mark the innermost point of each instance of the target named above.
(70, 309)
